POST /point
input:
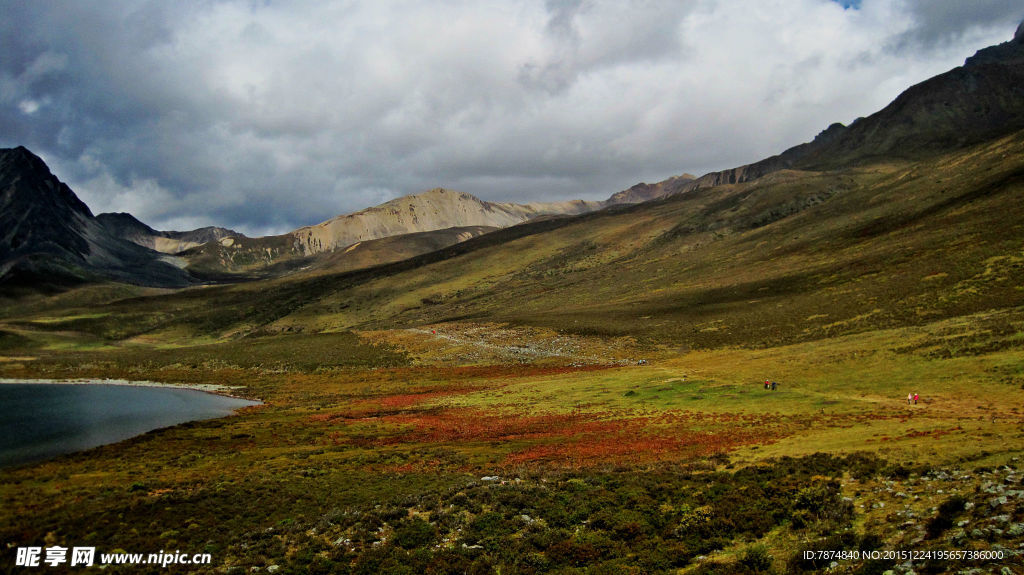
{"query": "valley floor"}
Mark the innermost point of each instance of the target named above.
(484, 447)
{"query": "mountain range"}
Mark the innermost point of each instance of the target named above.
(51, 240)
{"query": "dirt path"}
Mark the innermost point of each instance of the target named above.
(526, 348)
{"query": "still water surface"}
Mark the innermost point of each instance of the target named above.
(40, 421)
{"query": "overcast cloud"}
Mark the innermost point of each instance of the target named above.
(267, 115)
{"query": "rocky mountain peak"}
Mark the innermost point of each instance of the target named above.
(441, 194)
(22, 158)
(25, 178)
(1018, 37)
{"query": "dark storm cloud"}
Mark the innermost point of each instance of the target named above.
(943, 21)
(585, 37)
(264, 116)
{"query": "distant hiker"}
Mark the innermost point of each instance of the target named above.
(766, 384)
(915, 399)
(910, 397)
(433, 332)
(773, 386)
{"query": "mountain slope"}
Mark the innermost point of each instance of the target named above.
(970, 104)
(240, 258)
(50, 238)
(429, 220)
(128, 227)
(794, 256)
(976, 102)
(432, 210)
(644, 192)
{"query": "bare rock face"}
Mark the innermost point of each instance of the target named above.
(1018, 37)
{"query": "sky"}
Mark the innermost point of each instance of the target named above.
(266, 115)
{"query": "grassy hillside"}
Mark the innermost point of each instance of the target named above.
(240, 258)
(794, 256)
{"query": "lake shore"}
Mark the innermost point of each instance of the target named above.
(223, 390)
